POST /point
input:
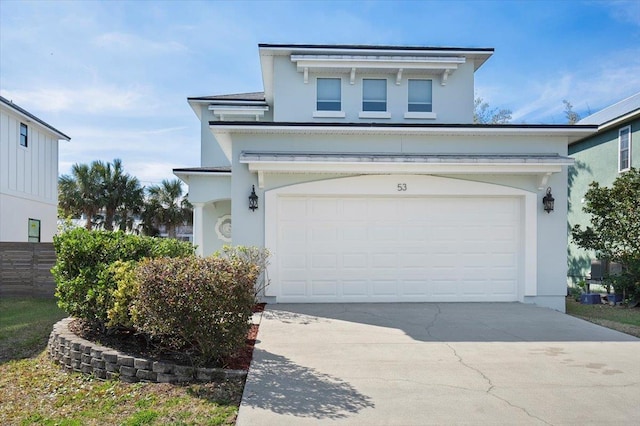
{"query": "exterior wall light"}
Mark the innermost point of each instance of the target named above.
(253, 199)
(548, 201)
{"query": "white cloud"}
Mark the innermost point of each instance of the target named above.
(92, 99)
(590, 86)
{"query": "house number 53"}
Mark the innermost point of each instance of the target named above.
(402, 187)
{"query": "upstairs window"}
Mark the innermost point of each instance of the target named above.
(624, 149)
(329, 94)
(374, 94)
(420, 96)
(24, 135)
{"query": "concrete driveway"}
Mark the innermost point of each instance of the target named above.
(438, 363)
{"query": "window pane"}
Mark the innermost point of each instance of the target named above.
(624, 148)
(374, 95)
(328, 94)
(23, 134)
(420, 96)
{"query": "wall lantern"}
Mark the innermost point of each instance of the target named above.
(253, 199)
(548, 201)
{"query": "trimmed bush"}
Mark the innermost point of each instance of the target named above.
(84, 283)
(195, 305)
(124, 276)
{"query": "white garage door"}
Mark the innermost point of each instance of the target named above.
(394, 248)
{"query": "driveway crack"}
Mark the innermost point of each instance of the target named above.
(491, 386)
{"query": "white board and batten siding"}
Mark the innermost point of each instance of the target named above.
(399, 239)
(28, 177)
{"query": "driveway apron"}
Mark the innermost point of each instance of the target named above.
(439, 364)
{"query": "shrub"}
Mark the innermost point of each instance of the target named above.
(202, 305)
(257, 256)
(84, 284)
(124, 276)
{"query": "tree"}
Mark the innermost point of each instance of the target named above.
(483, 114)
(572, 116)
(80, 192)
(100, 187)
(166, 206)
(614, 232)
(121, 193)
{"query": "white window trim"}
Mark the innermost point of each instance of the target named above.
(374, 114)
(377, 114)
(621, 170)
(423, 115)
(329, 114)
(419, 114)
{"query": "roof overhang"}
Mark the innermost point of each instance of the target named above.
(396, 65)
(540, 165)
(185, 174)
(337, 54)
(28, 117)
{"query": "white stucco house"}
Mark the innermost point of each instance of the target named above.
(28, 175)
(374, 185)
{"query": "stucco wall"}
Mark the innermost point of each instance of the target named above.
(596, 160)
(15, 213)
(295, 101)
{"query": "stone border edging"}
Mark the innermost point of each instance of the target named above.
(77, 354)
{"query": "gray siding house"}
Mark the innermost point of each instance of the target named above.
(360, 169)
(600, 157)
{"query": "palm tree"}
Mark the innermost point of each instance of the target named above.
(132, 204)
(91, 189)
(166, 205)
(80, 193)
(118, 189)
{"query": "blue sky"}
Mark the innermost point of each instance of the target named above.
(115, 75)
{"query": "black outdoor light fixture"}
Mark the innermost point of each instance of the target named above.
(253, 199)
(548, 201)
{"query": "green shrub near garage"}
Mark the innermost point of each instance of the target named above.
(85, 284)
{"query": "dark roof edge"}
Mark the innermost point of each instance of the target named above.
(405, 125)
(373, 47)
(212, 170)
(33, 117)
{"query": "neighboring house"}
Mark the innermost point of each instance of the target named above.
(600, 157)
(28, 175)
(373, 185)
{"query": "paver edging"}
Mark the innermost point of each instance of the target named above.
(76, 354)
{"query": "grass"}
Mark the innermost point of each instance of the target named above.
(25, 325)
(35, 391)
(626, 320)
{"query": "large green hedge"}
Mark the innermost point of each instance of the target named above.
(85, 283)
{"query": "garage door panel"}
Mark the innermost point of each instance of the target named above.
(323, 288)
(293, 288)
(394, 248)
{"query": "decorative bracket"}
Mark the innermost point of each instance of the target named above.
(399, 77)
(306, 75)
(544, 179)
(352, 77)
(445, 76)
(260, 179)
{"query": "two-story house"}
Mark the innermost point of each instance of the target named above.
(360, 169)
(28, 175)
(600, 157)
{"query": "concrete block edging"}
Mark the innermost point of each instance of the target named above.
(76, 354)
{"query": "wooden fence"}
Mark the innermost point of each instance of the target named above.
(25, 269)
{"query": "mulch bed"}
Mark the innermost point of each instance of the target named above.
(137, 345)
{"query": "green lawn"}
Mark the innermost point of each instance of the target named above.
(619, 318)
(25, 325)
(35, 391)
